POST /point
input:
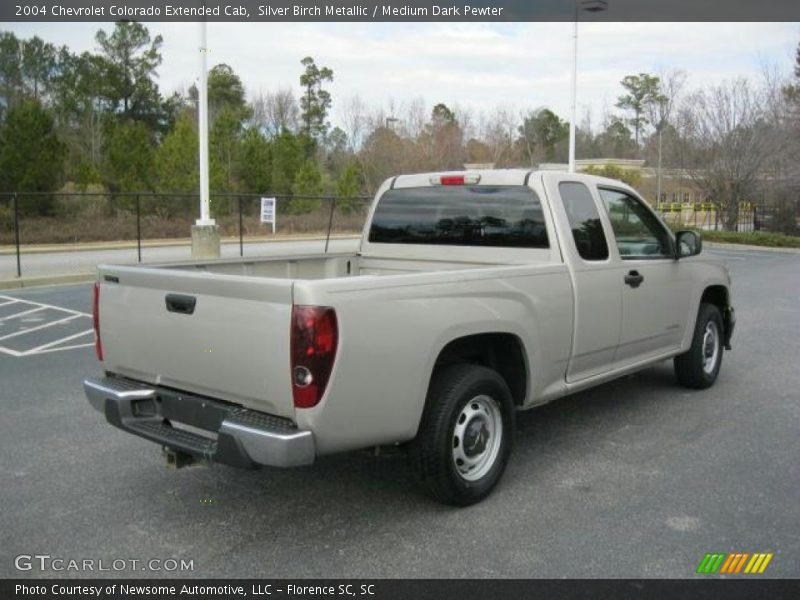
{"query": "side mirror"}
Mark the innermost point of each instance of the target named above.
(689, 243)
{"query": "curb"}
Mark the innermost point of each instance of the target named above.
(26, 282)
(728, 246)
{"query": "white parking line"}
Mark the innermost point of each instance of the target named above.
(46, 325)
(66, 310)
(57, 342)
(52, 346)
(22, 314)
(60, 349)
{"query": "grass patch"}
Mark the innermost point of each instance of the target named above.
(753, 238)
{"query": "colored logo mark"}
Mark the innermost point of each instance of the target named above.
(734, 562)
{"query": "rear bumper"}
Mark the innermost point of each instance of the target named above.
(229, 434)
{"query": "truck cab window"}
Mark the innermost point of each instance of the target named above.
(639, 233)
(584, 220)
(481, 215)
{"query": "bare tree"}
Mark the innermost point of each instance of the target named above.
(275, 112)
(729, 141)
(660, 108)
(354, 118)
(498, 131)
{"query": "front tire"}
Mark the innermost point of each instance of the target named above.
(465, 436)
(698, 367)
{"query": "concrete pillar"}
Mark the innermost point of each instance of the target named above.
(205, 242)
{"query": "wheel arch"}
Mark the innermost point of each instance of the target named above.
(719, 296)
(502, 352)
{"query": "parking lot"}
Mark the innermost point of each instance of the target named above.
(637, 478)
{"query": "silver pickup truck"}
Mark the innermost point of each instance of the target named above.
(471, 295)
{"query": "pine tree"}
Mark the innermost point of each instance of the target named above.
(31, 155)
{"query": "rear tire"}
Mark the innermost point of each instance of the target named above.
(698, 367)
(465, 437)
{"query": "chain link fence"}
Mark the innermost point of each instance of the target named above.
(83, 228)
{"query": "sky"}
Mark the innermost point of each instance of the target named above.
(517, 66)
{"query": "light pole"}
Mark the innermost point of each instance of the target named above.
(585, 6)
(202, 127)
(205, 233)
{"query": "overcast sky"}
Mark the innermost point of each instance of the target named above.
(514, 65)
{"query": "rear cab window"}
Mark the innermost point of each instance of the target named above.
(584, 221)
(500, 216)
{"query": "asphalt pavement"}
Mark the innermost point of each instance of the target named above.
(636, 478)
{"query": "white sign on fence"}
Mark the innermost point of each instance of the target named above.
(268, 211)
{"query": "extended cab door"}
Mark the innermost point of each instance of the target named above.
(596, 288)
(655, 287)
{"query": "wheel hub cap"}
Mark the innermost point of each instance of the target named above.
(477, 437)
(710, 347)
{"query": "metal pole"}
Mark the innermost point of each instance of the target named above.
(658, 176)
(16, 233)
(241, 234)
(574, 92)
(138, 227)
(330, 224)
(202, 122)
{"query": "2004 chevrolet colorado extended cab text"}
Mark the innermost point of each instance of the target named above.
(472, 295)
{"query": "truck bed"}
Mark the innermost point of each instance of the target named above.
(234, 343)
(316, 266)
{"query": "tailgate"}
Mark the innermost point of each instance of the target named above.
(233, 345)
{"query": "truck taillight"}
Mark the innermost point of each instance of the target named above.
(98, 345)
(314, 338)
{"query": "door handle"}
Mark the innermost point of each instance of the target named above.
(179, 303)
(634, 279)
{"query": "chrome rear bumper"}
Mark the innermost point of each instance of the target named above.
(231, 435)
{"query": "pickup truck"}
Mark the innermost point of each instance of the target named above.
(471, 295)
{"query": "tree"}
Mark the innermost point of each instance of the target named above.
(31, 155)
(38, 65)
(660, 108)
(176, 158)
(307, 182)
(223, 146)
(254, 162)
(442, 140)
(275, 112)
(541, 130)
(382, 155)
(77, 103)
(616, 139)
(129, 59)
(728, 141)
(10, 71)
(643, 90)
(128, 163)
(316, 101)
(225, 93)
(287, 158)
(348, 187)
